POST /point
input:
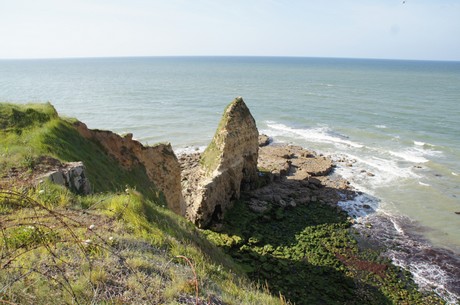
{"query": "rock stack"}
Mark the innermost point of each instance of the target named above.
(227, 166)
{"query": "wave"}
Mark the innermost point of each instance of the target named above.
(189, 150)
(410, 155)
(318, 134)
(423, 144)
(360, 206)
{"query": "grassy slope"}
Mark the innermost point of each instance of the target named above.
(34, 130)
(137, 251)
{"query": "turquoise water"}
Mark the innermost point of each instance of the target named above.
(398, 120)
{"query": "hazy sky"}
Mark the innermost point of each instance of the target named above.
(416, 29)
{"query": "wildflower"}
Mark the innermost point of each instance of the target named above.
(87, 242)
(111, 238)
(92, 227)
(41, 192)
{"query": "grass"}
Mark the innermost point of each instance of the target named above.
(116, 246)
(42, 132)
(110, 249)
(309, 255)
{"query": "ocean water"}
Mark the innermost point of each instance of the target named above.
(392, 126)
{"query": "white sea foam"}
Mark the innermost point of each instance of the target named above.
(427, 275)
(359, 207)
(381, 126)
(419, 143)
(385, 172)
(410, 155)
(454, 174)
(396, 225)
(189, 150)
(423, 184)
(319, 134)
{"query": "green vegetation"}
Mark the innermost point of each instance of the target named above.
(117, 246)
(35, 130)
(109, 249)
(210, 157)
(120, 246)
(309, 255)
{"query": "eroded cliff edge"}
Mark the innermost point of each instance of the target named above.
(160, 162)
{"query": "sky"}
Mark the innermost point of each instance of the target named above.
(389, 29)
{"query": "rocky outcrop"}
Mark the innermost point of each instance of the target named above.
(71, 175)
(264, 140)
(159, 161)
(293, 176)
(228, 165)
(293, 162)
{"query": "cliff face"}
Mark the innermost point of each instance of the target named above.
(227, 165)
(160, 162)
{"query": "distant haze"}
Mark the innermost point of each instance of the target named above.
(393, 29)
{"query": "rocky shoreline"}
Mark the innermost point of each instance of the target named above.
(244, 183)
(288, 176)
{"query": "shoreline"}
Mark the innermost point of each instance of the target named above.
(433, 268)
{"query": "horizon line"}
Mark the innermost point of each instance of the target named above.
(220, 56)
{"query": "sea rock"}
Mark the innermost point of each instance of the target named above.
(227, 166)
(264, 140)
(293, 161)
(159, 161)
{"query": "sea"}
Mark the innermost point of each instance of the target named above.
(392, 126)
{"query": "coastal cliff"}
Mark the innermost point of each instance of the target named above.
(159, 161)
(271, 213)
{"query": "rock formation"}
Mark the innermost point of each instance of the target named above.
(228, 165)
(71, 175)
(264, 140)
(293, 161)
(159, 161)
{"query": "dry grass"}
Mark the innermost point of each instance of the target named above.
(80, 256)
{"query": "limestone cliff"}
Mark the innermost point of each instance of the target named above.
(160, 162)
(228, 164)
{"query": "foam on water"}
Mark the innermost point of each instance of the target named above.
(319, 134)
(423, 183)
(432, 268)
(419, 143)
(360, 206)
(410, 155)
(189, 150)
